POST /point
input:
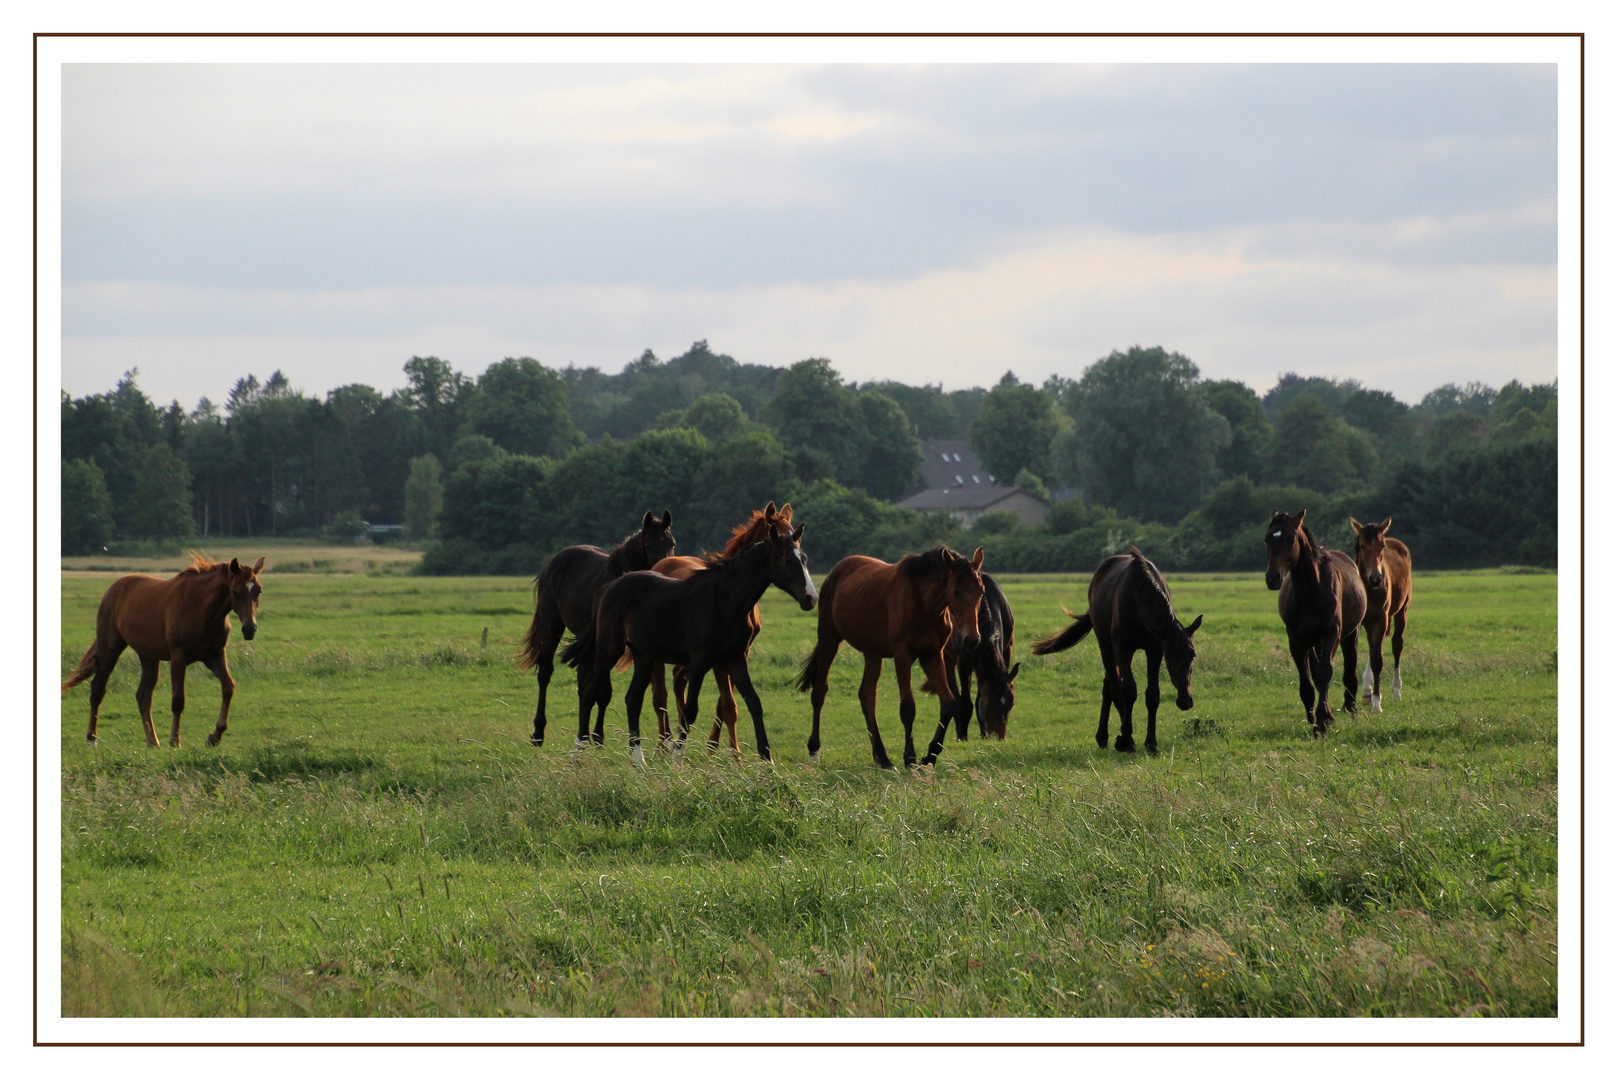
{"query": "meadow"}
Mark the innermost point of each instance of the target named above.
(376, 837)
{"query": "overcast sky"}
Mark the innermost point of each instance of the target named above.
(937, 223)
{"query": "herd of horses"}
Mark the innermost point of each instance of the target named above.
(642, 606)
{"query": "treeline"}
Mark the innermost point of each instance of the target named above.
(494, 474)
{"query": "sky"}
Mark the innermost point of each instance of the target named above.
(938, 223)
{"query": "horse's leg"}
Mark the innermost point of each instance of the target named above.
(544, 665)
(1109, 690)
(1372, 683)
(632, 709)
(695, 672)
(908, 702)
(960, 673)
(1348, 644)
(177, 700)
(737, 675)
(868, 696)
(1322, 676)
(1125, 699)
(822, 661)
(1155, 654)
(227, 688)
(106, 660)
(935, 668)
(1397, 642)
(1302, 661)
(725, 712)
(143, 698)
(660, 692)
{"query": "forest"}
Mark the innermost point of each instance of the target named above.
(492, 474)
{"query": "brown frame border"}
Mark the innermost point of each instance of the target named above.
(833, 34)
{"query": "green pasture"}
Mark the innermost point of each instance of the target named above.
(376, 837)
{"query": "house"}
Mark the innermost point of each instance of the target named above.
(952, 479)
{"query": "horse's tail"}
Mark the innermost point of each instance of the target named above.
(529, 651)
(1064, 639)
(807, 672)
(86, 668)
(581, 650)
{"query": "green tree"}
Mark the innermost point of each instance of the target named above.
(740, 475)
(1014, 430)
(1144, 441)
(1028, 481)
(930, 411)
(161, 507)
(424, 497)
(1312, 448)
(87, 521)
(716, 416)
(893, 451)
(660, 472)
(811, 410)
(1250, 426)
(523, 407)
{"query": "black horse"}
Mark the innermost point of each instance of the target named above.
(1322, 603)
(1130, 610)
(565, 596)
(701, 621)
(988, 660)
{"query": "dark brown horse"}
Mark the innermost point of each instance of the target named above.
(185, 619)
(701, 622)
(566, 592)
(1129, 610)
(906, 611)
(745, 535)
(1322, 603)
(1385, 566)
(988, 662)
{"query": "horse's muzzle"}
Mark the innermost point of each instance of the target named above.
(1273, 580)
(1184, 701)
(1375, 580)
(248, 630)
(807, 603)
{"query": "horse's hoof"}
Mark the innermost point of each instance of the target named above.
(929, 760)
(1375, 705)
(1125, 744)
(1151, 748)
(1102, 742)
(637, 758)
(815, 757)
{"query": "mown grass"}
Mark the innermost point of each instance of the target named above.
(375, 836)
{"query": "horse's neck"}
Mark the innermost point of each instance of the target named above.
(744, 581)
(1311, 577)
(1155, 607)
(216, 592)
(628, 556)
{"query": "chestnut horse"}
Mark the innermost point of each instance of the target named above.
(701, 622)
(565, 594)
(1385, 566)
(1322, 603)
(185, 619)
(745, 535)
(1130, 610)
(906, 611)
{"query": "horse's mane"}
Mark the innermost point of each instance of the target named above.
(201, 564)
(1310, 540)
(935, 562)
(1161, 612)
(735, 544)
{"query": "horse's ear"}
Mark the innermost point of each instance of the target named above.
(1383, 526)
(258, 565)
(1013, 674)
(669, 519)
(770, 511)
(1354, 524)
(797, 533)
(1192, 627)
(1299, 518)
(978, 557)
(647, 520)
(236, 568)
(786, 513)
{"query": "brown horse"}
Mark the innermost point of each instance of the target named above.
(1129, 607)
(906, 611)
(745, 535)
(1385, 566)
(185, 619)
(566, 592)
(1322, 603)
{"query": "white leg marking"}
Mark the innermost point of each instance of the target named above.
(815, 758)
(1397, 686)
(636, 757)
(1377, 704)
(1367, 682)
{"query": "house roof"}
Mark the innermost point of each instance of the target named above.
(954, 479)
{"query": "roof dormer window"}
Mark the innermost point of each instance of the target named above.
(958, 478)
(958, 457)
(946, 458)
(975, 478)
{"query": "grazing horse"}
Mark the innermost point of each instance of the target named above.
(989, 661)
(1321, 602)
(1385, 566)
(184, 619)
(1129, 610)
(565, 595)
(907, 611)
(745, 535)
(701, 622)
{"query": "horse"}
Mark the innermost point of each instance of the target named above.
(565, 594)
(745, 535)
(1385, 566)
(701, 622)
(989, 661)
(1322, 603)
(906, 611)
(1130, 609)
(185, 619)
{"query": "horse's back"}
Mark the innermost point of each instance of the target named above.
(678, 566)
(571, 579)
(1352, 594)
(858, 609)
(136, 608)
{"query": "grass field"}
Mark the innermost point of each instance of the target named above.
(375, 836)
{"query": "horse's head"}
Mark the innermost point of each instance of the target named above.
(657, 542)
(995, 700)
(790, 570)
(760, 527)
(964, 590)
(1370, 551)
(1179, 655)
(1283, 540)
(245, 593)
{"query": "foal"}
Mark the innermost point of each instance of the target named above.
(1322, 603)
(1385, 566)
(988, 661)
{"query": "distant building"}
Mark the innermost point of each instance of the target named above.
(953, 480)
